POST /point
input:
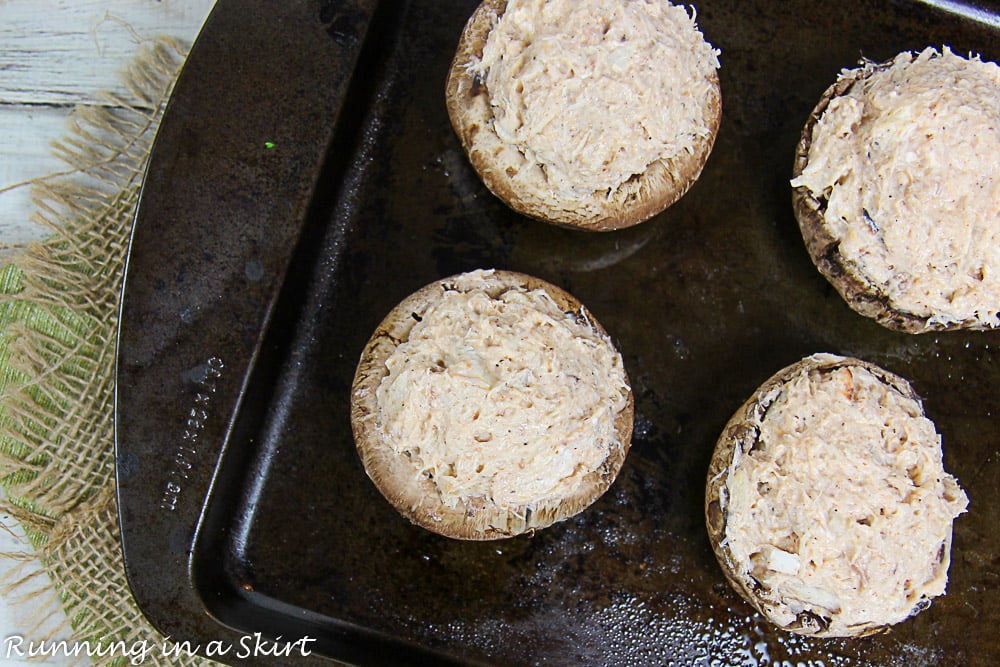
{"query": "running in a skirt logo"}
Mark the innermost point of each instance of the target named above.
(137, 652)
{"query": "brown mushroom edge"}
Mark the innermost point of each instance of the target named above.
(415, 496)
(742, 432)
(499, 165)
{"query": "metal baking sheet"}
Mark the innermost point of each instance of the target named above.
(306, 178)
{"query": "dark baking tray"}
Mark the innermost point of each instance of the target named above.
(305, 178)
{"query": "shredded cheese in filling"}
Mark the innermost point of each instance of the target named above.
(505, 398)
(909, 163)
(594, 92)
(843, 508)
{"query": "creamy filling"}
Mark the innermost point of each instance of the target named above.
(502, 397)
(595, 92)
(843, 509)
(908, 161)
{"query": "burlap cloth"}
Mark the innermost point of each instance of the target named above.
(58, 318)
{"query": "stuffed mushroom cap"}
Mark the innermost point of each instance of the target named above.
(827, 503)
(491, 404)
(896, 189)
(583, 113)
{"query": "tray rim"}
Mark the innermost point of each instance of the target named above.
(159, 526)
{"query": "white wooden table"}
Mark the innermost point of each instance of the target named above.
(54, 55)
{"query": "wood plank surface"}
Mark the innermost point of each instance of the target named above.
(55, 55)
(63, 52)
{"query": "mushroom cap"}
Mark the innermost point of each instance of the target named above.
(415, 496)
(741, 434)
(501, 165)
(841, 270)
